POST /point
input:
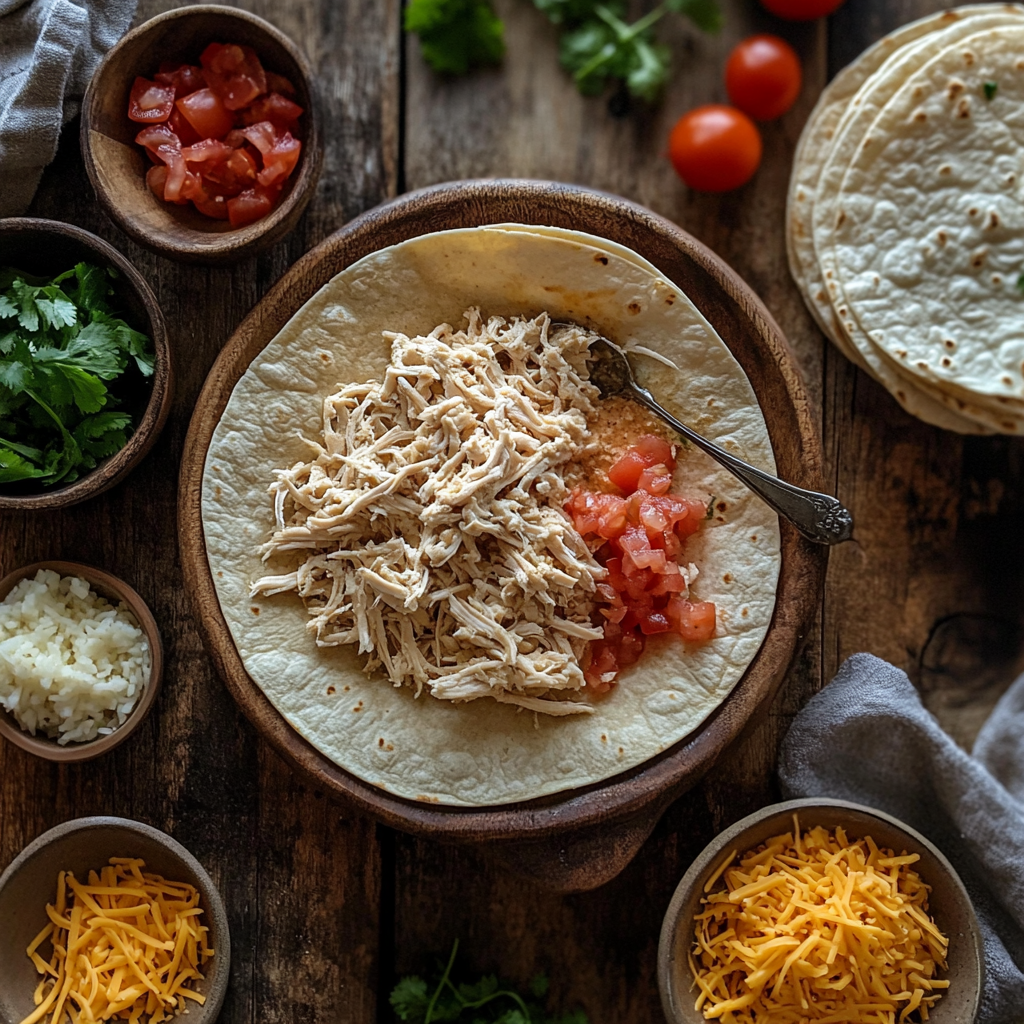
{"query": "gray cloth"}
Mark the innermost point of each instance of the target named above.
(48, 52)
(866, 737)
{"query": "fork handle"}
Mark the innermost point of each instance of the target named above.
(819, 517)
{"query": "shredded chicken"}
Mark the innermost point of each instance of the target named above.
(430, 518)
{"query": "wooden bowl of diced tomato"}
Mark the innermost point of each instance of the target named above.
(201, 134)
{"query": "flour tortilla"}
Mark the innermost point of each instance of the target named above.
(484, 753)
(836, 103)
(928, 244)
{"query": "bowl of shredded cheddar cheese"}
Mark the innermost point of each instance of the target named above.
(110, 919)
(823, 911)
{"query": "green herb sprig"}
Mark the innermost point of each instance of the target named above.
(456, 35)
(483, 1002)
(60, 343)
(597, 46)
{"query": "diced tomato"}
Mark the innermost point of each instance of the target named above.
(150, 102)
(636, 544)
(182, 78)
(649, 451)
(275, 108)
(156, 178)
(206, 150)
(280, 161)
(655, 479)
(234, 72)
(655, 622)
(278, 83)
(207, 114)
(156, 135)
(691, 620)
(263, 135)
(232, 175)
(249, 206)
(176, 171)
(185, 132)
(670, 582)
(212, 206)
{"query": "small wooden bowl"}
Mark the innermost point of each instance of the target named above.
(115, 591)
(30, 882)
(949, 904)
(117, 166)
(581, 838)
(51, 247)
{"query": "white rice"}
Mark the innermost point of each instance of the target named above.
(72, 666)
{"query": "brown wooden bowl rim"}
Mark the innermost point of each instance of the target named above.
(617, 798)
(219, 969)
(115, 589)
(236, 243)
(113, 470)
(732, 838)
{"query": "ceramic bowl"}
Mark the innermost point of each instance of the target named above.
(114, 590)
(30, 882)
(117, 166)
(949, 903)
(51, 247)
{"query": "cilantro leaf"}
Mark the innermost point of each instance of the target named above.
(62, 347)
(14, 468)
(991, 88)
(573, 12)
(456, 35)
(409, 998)
(705, 14)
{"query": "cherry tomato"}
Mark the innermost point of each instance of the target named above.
(802, 10)
(715, 148)
(763, 77)
(150, 102)
(206, 113)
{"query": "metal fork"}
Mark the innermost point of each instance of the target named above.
(819, 517)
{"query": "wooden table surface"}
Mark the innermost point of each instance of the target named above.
(327, 909)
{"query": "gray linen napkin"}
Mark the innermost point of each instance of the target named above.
(866, 737)
(48, 52)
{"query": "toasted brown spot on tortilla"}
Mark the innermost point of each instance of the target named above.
(670, 300)
(634, 308)
(219, 572)
(945, 169)
(997, 279)
(428, 799)
(946, 361)
(604, 738)
(331, 691)
(942, 237)
(901, 396)
(721, 506)
(621, 751)
(754, 537)
(972, 212)
(380, 742)
(954, 89)
(978, 259)
(968, 58)
(601, 259)
(727, 578)
(217, 491)
(255, 609)
(993, 219)
(1008, 381)
(840, 220)
(358, 707)
(711, 402)
(950, 344)
(744, 613)
(964, 108)
(347, 687)
(390, 746)
(920, 116)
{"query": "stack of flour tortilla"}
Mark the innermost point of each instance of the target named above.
(905, 223)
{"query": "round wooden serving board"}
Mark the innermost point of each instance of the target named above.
(579, 839)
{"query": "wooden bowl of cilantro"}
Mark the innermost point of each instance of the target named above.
(85, 369)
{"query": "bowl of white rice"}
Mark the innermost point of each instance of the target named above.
(80, 660)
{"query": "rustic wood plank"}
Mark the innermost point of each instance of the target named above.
(526, 119)
(300, 878)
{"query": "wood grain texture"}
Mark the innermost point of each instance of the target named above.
(301, 881)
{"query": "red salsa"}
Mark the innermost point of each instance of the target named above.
(219, 134)
(639, 537)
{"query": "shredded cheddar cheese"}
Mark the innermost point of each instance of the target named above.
(124, 946)
(816, 928)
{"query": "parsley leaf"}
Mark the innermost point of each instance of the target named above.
(456, 35)
(61, 342)
(486, 1001)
